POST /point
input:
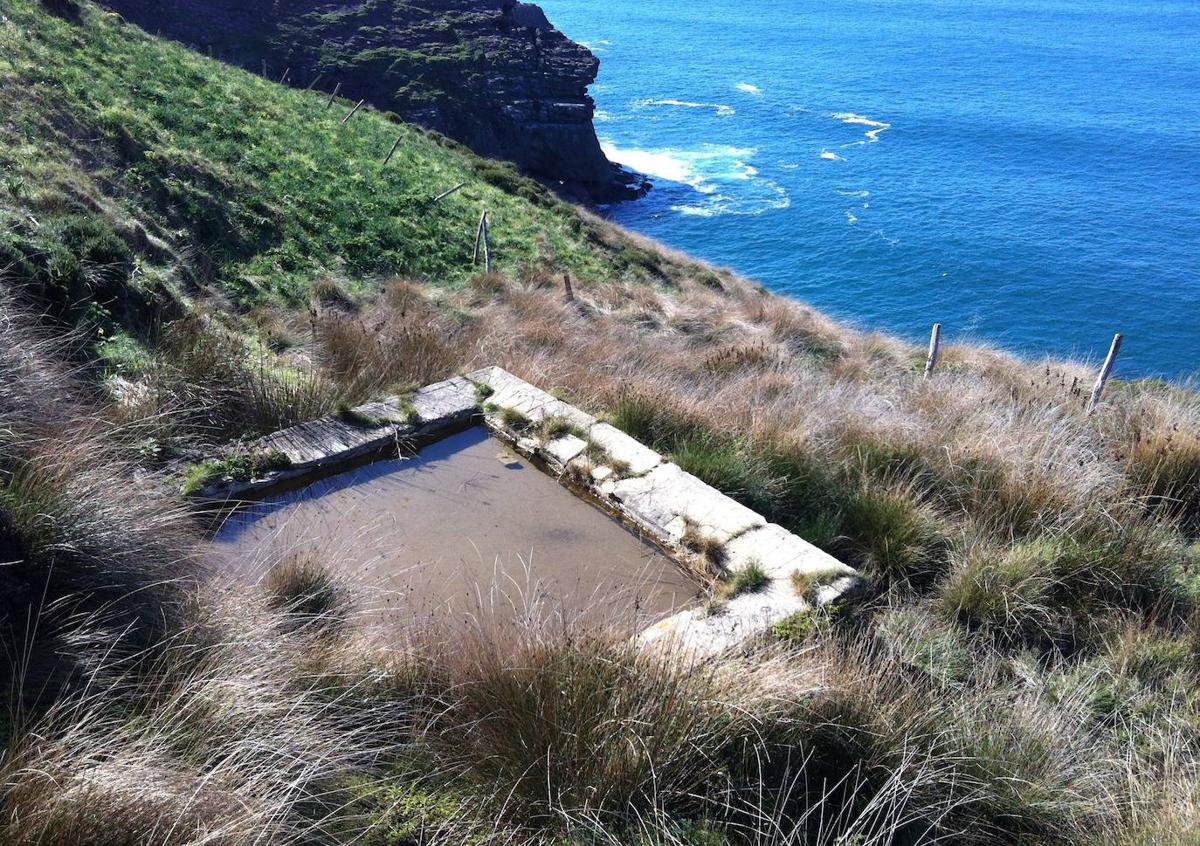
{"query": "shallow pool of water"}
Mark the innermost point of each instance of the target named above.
(465, 529)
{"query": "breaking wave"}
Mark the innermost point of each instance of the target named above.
(720, 108)
(876, 126)
(721, 177)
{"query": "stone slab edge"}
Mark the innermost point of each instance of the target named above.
(666, 503)
(426, 415)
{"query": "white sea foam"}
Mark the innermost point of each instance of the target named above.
(601, 116)
(877, 126)
(833, 157)
(697, 211)
(720, 108)
(855, 193)
(722, 174)
(850, 218)
(748, 88)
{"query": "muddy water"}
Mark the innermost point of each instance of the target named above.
(465, 529)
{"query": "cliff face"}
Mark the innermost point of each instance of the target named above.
(493, 74)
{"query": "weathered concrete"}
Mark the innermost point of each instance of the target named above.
(666, 503)
(669, 501)
(630, 480)
(445, 404)
(564, 449)
(780, 554)
(518, 395)
(375, 427)
(635, 457)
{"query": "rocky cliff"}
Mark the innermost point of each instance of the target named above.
(493, 74)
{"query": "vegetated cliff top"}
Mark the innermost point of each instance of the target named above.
(135, 169)
(492, 74)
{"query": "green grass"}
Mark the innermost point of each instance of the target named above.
(238, 467)
(135, 169)
(750, 579)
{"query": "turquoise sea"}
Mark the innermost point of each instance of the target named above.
(1026, 172)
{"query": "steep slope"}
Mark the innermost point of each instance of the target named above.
(136, 171)
(493, 74)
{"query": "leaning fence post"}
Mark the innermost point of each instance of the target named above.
(447, 193)
(478, 237)
(315, 80)
(286, 73)
(935, 345)
(333, 96)
(392, 151)
(1105, 372)
(567, 287)
(357, 106)
(487, 250)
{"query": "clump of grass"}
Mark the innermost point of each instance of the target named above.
(370, 359)
(750, 579)
(807, 583)
(1006, 592)
(515, 420)
(552, 427)
(330, 294)
(306, 590)
(895, 536)
(1163, 459)
(234, 467)
(210, 381)
(710, 549)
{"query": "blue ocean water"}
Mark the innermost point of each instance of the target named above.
(1026, 172)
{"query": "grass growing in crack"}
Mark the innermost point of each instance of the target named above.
(357, 417)
(806, 584)
(554, 426)
(750, 579)
(701, 543)
(515, 420)
(236, 467)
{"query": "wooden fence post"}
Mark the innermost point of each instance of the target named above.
(935, 345)
(1105, 372)
(487, 250)
(478, 237)
(392, 151)
(567, 287)
(264, 73)
(286, 73)
(357, 106)
(446, 194)
(315, 80)
(333, 96)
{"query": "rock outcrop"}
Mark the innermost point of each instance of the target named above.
(492, 74)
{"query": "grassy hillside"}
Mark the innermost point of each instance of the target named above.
(1022, 667)
(134, 169)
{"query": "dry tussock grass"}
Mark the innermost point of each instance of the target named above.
(1019, 674)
